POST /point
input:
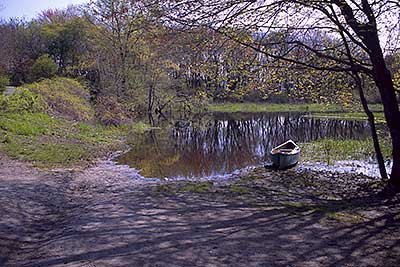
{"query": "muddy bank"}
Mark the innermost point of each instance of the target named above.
(108, 216)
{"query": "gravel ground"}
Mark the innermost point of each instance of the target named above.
(108, 216)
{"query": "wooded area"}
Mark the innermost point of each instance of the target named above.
(128, 49)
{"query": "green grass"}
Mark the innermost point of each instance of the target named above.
(268, 107)
(50, 142)
(170, 189)
(200, 187)
(346, 217)
(191, 187)
(239, 189)
(96, 134)
(358, 116)
(47, 154)
(331, 150)
(338, 212)
(27, 124)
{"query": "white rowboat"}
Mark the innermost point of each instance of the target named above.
(285, 155)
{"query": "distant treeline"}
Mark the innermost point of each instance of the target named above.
(129, 52)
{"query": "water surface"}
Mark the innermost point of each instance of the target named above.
(219, 144)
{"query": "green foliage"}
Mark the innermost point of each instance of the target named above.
(394, 65)
(67, 41)
(288, 84)
(21, 101)
(44, 67)
(396, 81)
(65, 97)
(136, 66)
(4, 81)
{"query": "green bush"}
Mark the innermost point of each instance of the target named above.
(4, 81)
(22, 101)
(65, 97)
(44, 67)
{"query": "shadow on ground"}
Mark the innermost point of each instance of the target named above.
(51, 225)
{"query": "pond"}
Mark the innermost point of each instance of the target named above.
(220, 144)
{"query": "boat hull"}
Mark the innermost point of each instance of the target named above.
(284, 161)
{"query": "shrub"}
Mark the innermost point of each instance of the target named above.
(22, 101)
(65, 97)
(4, 81)
(44, 67)
(110, 112)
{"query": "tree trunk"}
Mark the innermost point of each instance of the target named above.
(123, 69)
(384, 82)
(150, 100)
(123, 88)
(395, 176)
(368, 33)
(371, 120)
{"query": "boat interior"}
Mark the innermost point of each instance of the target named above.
(286, 147)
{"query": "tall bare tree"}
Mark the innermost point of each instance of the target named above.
(118, 22)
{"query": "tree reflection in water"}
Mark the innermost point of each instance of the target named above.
(221, 144)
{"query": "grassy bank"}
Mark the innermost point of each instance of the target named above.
(51, 124)
(331, 150)
(268, 107)
(357, 116)
(50, 142)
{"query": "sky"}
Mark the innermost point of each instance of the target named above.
(30, 8)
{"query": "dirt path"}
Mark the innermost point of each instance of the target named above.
(107, 217)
